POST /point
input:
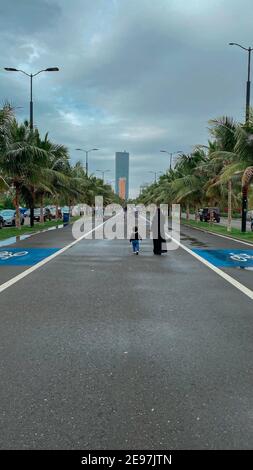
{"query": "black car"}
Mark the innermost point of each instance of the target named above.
(1, 222)
(36, 214)
(206, 213)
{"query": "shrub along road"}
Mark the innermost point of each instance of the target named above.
(101, 349)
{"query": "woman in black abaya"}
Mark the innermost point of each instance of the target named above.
(157, 228)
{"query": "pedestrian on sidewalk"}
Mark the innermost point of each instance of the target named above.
(135, 240)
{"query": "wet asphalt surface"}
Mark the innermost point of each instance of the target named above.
(101, 349)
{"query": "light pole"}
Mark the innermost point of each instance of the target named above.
(248, 49)
(87, 153)
(247, 114)
(103, 173)
(171, 155)
(31, 75)
(155, 173)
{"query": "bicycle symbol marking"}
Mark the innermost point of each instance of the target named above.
(12, 254)
(244, 257)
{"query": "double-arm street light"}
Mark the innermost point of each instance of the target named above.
(248, 49)
(31, 75)
(171, 155)
(247, 114)
(87, 153)
(155, 173)
(103, 173)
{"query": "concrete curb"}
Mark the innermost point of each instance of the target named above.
(27, 235)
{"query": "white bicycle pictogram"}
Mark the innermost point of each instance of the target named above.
(241, 257)
(12, 254)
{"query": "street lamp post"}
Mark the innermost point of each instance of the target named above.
(103, 173)
(31, 75)
(87, 153)
(171, 155)
(248, 49)
(247, 116)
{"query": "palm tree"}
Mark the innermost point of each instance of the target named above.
(54, 172)
(21, 161)
(224, 131)
(6, 116)
(238, 161)
(188, 186)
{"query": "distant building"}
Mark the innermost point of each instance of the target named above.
(122, 173)
(122, 188)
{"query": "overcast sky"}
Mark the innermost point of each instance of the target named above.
(135, 75)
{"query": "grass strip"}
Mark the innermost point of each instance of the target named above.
(8, 232)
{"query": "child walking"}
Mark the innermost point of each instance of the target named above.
(135, 237)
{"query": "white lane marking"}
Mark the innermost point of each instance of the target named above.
(28, 271)
(219, 235)
(245, 290)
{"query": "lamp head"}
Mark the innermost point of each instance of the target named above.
(52, 69)
(10, 69)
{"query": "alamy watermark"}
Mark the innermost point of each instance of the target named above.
(116, 222)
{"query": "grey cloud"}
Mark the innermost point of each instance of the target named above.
(28, 16)
(135, 74)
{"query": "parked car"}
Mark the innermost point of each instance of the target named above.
(51, 212)
(9, 218)
(250, 214)
(1, 222)
(22, 210)
(36, 214)
(46, 214)
(205, 214)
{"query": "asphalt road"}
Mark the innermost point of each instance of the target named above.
(102, 349)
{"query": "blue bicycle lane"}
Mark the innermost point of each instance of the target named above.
(16, 255)
(24, 256)
(233, 257)
(224, 258)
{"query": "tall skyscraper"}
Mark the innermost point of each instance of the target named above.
(122, 173)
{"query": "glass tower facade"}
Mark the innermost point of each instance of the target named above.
(122, 171)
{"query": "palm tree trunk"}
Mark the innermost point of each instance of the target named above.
(196, 214)
(70, 208)
(56, 209)
(229, 222)
(17, 218)
(41, 210)
(187, 211)
(32, 207)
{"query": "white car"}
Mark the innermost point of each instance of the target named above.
(250, 214)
